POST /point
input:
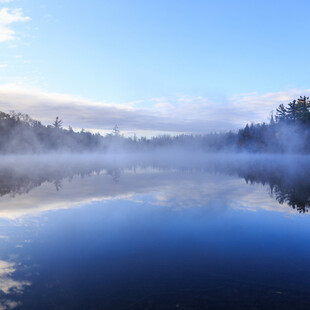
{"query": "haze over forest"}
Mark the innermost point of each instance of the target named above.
(147, 81)
(287, 132)
(152, 68)
(154, 154)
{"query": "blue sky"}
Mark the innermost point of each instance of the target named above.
(156, 66)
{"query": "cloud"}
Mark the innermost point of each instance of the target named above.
(259, 106)
(80, 112)
(8, 17)
(182, 114)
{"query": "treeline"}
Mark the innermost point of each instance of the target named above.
(287, 131)
(19, 133)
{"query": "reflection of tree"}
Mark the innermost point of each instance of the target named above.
(58, 185)
(115, 174)
(297, 197)
(22, 181)
(293, 189)
(285, 176)
(13, 184)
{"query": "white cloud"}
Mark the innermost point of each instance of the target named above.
(80, 112)
(259, 106)
(8, 17)
(170, 115)
(5, 1)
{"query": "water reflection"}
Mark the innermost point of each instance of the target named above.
(10, 288)
(293, 191)
(128, 233)
(184, 183)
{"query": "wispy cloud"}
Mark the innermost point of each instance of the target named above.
(7, 18)
(260, 105)
(6, 282)
(171, 114)
(80, 112)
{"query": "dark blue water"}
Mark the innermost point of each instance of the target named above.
(153, 239)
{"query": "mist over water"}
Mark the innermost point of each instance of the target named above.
(158, 230)
(165, 160)
(283, 177)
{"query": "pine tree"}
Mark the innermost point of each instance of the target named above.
(292, 110)
(116, 131)
(302, 106)
(57, 123)
(282, 113)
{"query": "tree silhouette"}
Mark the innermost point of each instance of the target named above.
(116, 131)
(57, 123)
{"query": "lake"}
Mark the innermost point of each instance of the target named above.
(155, 232)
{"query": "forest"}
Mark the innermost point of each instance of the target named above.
(288, 131)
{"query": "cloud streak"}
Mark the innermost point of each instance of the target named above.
(175, 114)
(7, 18)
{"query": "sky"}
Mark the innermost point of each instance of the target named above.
(153, 67)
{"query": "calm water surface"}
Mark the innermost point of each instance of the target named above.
(217, 234)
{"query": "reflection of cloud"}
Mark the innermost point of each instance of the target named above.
(8, 304)
(218, 190)
(258, 199)
(7, 284)
(169, 188)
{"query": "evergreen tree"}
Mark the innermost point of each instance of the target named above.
(116, 131)
(303, 106)
(57, 123)
(292, 110)
(282, 113)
